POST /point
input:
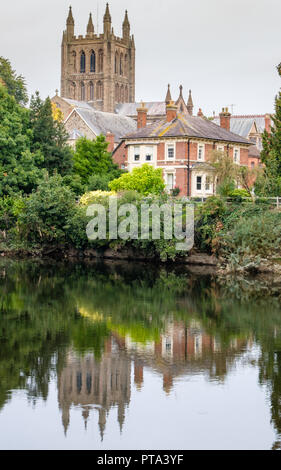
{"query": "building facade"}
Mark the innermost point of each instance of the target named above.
(182, 146)
(98, 68)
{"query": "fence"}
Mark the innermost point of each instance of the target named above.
(270, 201)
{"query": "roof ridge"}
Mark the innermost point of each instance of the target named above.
(244, 116)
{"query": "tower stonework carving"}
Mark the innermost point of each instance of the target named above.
(98, 68)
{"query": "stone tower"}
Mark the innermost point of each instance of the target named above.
(100, 68)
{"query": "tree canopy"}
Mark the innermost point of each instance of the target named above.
(145, 180)
(49, 136)
(19, 167)
(91, 158)
(15, 84)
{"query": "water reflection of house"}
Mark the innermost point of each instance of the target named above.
(183, 350)
(106, 383)
(93, 383)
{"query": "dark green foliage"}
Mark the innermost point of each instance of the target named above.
(91, 158)
(47, 212)
(208, 220)
(270, 183)
(15, 84)
(99, 182)
(19, 168)
(49, 136)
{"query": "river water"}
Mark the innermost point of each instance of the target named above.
(132, 356)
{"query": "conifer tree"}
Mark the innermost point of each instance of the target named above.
(49, 136)
(271, 153)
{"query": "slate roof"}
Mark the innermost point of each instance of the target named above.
(242, 125)
(101, 123)
(155, 108)
(77, 104)
(187, 126)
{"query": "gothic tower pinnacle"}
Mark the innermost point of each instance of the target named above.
(70, 24)
(107, 22)
(90, 27)
(168, 96)
(126, 27)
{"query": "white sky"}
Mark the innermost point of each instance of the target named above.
(224, 50)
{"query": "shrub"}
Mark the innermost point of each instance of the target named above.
(47, 211)
(145, 180)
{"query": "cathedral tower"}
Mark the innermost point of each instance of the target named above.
(98, 68)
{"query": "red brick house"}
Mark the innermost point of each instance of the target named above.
(181, 144)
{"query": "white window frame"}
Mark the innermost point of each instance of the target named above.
(199, 146)
(174, 178)
(168, 145)
(196, 183)
(149, 152)
(210, 184)
(137, 154)
(236, 149)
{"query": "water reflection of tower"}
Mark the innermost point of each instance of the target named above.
(89, 382)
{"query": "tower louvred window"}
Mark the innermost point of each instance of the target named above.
(93, 62)
(82, 62)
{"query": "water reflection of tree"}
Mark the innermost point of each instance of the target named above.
(47, 308)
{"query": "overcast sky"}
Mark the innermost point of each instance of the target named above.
(224, 50)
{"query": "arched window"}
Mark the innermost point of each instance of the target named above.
(72, 89)
(100, 60)
(91, 86)
(116, 62)
(93, 62)
(82, 91)
(126, 66)
(126, 94)
(121, 94)
(82, 62)
(74, 61)
(117, 93)
(99, 91)
(121, 64)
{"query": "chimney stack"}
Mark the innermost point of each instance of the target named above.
(110, 139)
(225, 119)
(171, 111)
(200, 113)
(142, 115)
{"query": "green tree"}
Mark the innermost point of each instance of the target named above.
(14, 83)
(49, 136)
(145, 180)
(19, 170)
(271, 155)
(47, 211)
(92, 158)
(225, 172)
